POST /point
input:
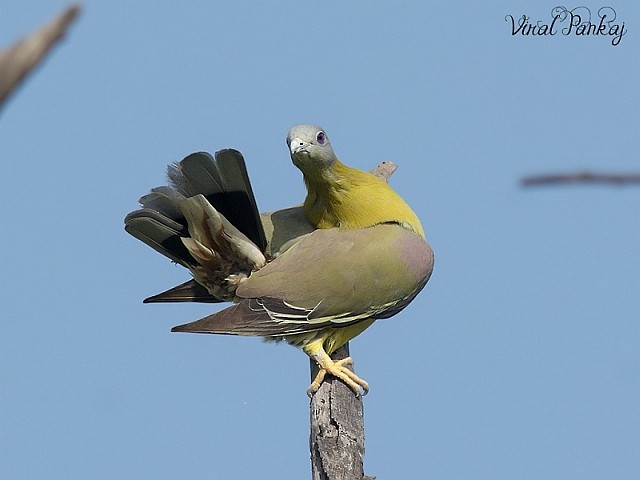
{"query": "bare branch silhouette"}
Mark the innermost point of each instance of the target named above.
(18, 60)
(582, 177)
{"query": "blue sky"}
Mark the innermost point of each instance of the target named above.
(520, 358)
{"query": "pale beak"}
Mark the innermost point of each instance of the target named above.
(296, 145)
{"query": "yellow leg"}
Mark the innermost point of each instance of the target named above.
(337, 368)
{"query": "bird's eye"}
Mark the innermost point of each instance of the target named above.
(321, 137)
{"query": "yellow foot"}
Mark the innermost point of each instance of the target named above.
(338, 369)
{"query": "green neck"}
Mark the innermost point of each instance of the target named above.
(341, 196)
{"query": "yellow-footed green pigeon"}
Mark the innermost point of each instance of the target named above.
(315, 276)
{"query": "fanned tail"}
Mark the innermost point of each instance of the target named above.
(207, 221)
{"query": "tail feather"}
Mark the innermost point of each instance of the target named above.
(164, 200)
(190, 291)
(160, 233)
(195, 174)
(161, 223)
(248, 317)
(225, 184)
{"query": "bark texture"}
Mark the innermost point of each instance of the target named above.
(337, 429)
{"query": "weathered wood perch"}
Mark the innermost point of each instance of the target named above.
(337, 419)
(337, 429)
(17, 61)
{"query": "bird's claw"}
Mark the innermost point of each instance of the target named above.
(339, 369)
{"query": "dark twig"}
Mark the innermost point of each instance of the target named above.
(582, 177)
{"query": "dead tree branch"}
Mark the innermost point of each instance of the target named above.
(337, 429)
(17, 61)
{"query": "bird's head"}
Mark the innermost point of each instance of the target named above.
(310, 148)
